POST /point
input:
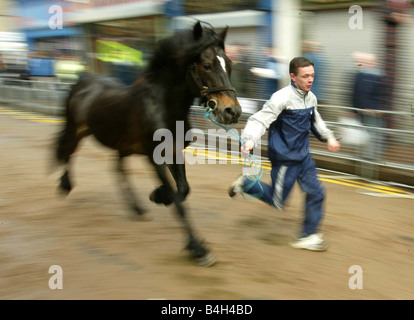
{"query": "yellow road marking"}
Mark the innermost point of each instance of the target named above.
(340, 181)
(208, 154)
(48, 120)
(30, 116)
(381, 187)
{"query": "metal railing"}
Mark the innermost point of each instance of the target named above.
(30, 95)
(379, 144)
(369, 149)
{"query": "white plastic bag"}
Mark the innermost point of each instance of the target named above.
(353, 136)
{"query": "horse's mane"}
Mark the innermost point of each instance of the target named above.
(181, 49)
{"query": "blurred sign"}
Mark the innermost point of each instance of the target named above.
(12, 36)
(12, 41)
(399, 3)
(39, 14)
(393, 3)
(334, 4)
(202, 6)
(102, 3)
(111, 51)
(331, 1)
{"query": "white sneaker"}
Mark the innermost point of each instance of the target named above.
(237, 187)
(313, 242)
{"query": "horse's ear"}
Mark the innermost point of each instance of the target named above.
(197, 30)
(223, 33)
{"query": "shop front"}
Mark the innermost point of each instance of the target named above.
(121, 35)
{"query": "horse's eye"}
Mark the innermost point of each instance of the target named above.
(207, 66)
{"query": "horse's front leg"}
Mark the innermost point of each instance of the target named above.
(177, 169)
(178, 173)
(161, 194)
(197, 250)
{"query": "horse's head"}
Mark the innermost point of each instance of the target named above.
(211, 71)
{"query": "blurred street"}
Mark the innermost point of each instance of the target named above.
(106, 254)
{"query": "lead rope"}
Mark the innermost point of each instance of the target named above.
(249, 161)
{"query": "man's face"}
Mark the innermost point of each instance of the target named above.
(304, 79)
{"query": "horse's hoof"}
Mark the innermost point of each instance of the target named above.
(63, 192)
(65, 184)
(144, 217)
(159, 196)
(206, 261)
(141, 214)
(152, 196)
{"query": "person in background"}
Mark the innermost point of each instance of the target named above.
(241, 76)
(271, 73)
(289, 116)
(312, 50)
(367, 99)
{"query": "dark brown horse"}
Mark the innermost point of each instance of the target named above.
(190, 64)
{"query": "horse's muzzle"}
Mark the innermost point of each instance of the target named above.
(225, 113)
(232, 114)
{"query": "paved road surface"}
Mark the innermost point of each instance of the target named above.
(105, 254)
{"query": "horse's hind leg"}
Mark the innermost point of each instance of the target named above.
(126, 189)
(66, 145)
(67, 142)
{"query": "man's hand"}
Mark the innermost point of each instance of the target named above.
(333, 145)
(246, 148)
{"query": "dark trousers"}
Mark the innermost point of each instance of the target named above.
(283, 178)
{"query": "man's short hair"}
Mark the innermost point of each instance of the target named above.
(299, 62)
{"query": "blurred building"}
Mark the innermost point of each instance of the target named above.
(108, 37)
(340, 31)
(49, 33)
(116, 38)
(13, 45)
(121, 34)
(7, 17)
